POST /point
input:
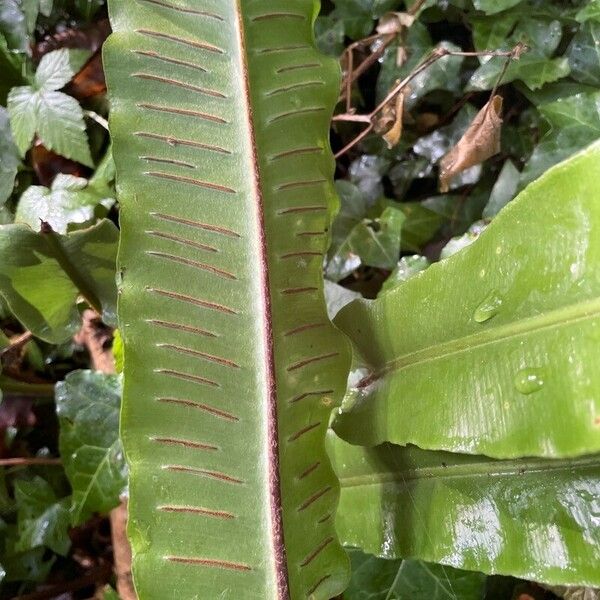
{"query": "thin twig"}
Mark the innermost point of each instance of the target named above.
(17, 342)
(432, 58)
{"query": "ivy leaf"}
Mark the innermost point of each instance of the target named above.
(379, 579)
(491, 7)
(504, 190)
(584, 54)
(9, 158)
(43, 274)
(407, 267)
(358, 15)
(574, 123)
(33, 565)
(43, 519)
(87, 404)
(337, 297)
(589, 12)
(419, 226)
(443, 74)
(13, 26)
(329, 35)
(358, 238)
(534, 68)
(69, 200)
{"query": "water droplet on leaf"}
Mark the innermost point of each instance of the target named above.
(529, 381)
(489, 308)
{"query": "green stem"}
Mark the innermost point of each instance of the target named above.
(27, 389)
(55, 243)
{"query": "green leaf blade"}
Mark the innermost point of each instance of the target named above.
(530, 518)
(495, 361)
(226, 194)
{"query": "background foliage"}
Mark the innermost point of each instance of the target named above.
(63, 469)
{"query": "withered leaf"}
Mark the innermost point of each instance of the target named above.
(393, 22)
(389, 122)
(479, 142)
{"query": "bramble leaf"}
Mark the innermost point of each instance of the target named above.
(70, 200)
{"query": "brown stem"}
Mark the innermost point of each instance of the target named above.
(433, 57)
(17, 342)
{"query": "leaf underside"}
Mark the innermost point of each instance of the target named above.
(220, 113)
(531, 518)
(494, 350)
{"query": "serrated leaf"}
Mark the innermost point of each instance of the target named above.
(43, 519)
(512, 345)
(379, 579)
(61, 127)
(55, 117)
(69, 201)
(9, 158)
(55, 70)
(87, 405)
(530, 518)
(22, 107)
(43, 274)
(225, 180)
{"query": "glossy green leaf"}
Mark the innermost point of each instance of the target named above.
(504, 190)
(380, 579)
(493, 350)
(87, 405)
(13, 25)
(584, 54)
(533, 69)
(574, 123)
(69, 200)
(220, 124)
(491, 7)
(536, 67)
(407, 267)
(531, 518)
(43, 274)
(9, 158)
(589, 12)
(43, 519)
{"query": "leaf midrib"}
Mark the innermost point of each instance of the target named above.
(519, 467)
(275, 504)
(565, 315)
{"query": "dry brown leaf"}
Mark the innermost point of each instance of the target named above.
(479, 142)
(393, 22)
(389, 122)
